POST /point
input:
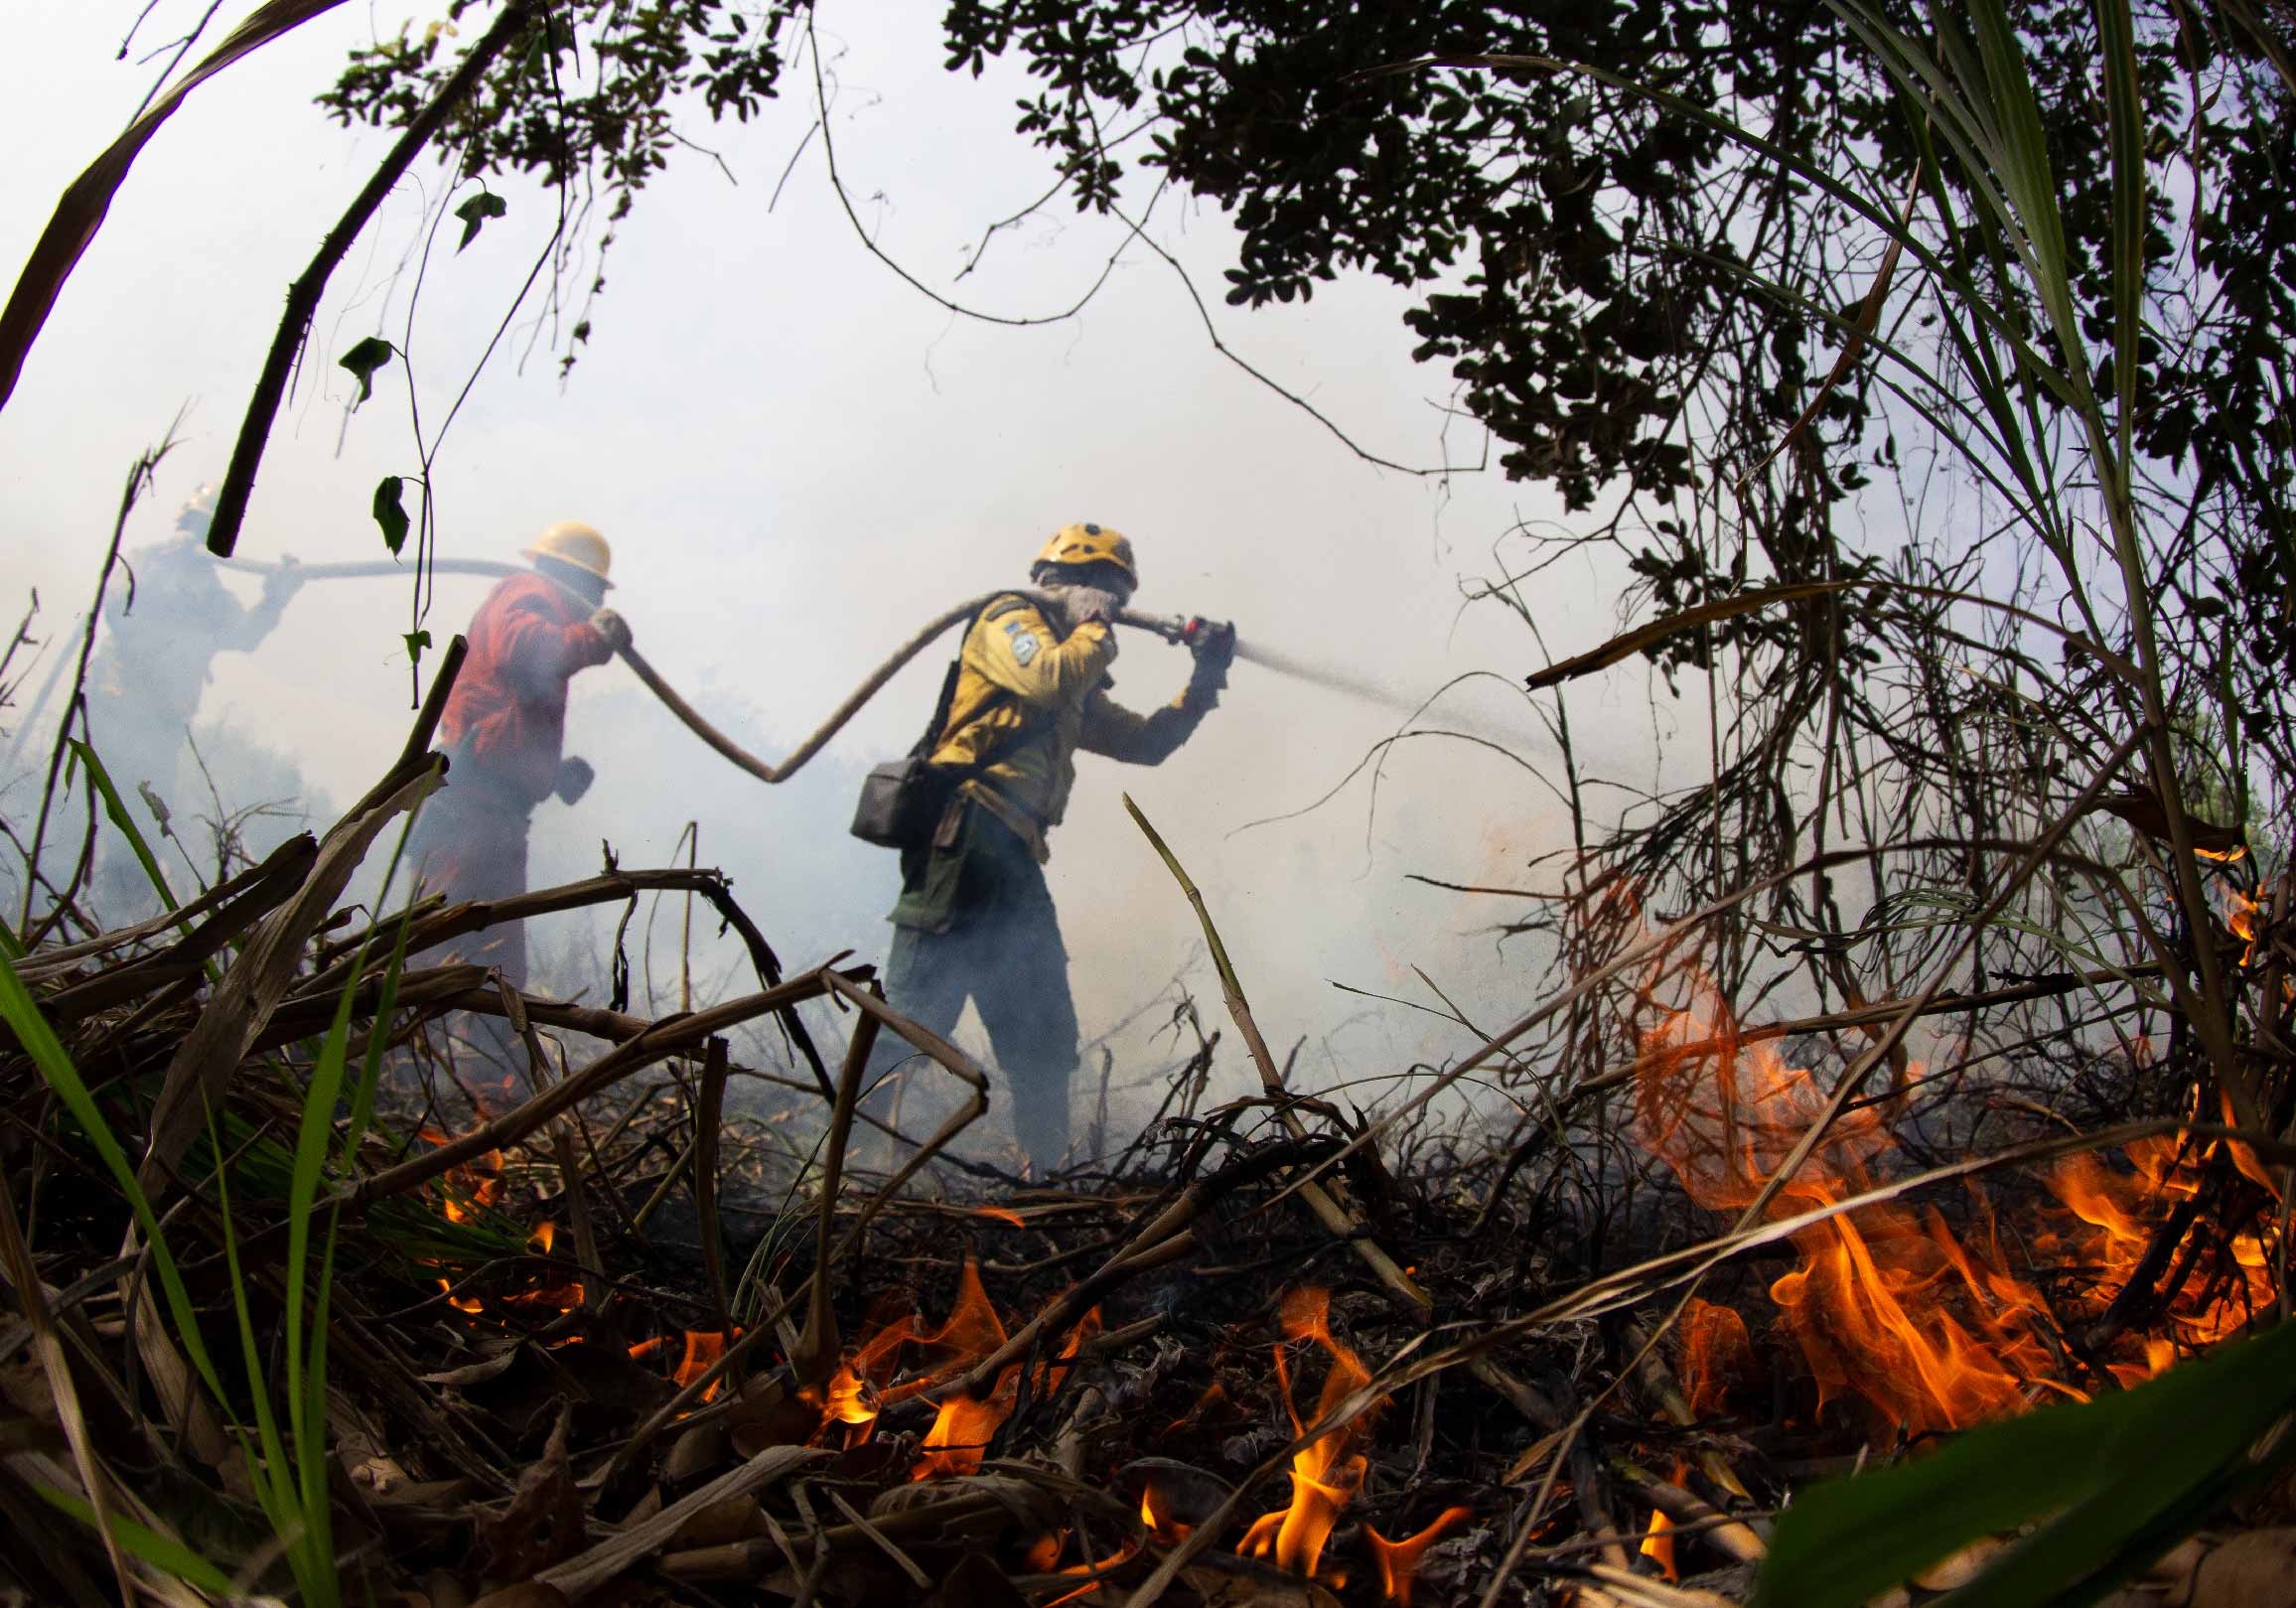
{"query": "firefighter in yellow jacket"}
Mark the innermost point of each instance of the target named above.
(975, 919)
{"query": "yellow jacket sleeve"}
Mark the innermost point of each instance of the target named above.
(1018, 652)
(1131, 738)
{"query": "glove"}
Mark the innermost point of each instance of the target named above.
(1213, 642)
(574, 778)
(613, 627)
(283, 582)
(1213, 645)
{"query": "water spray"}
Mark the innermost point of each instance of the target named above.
(1281, 663)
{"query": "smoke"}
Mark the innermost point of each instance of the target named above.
(798, 459)
(661, 798)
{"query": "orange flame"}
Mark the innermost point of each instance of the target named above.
(1156, 1514)
(1089, 1587)
(471, 1186)
(1001, 1214)
(566, 1297)
(854, 1396)
(1324, 1473)
(462, 1303)
(563, 1297)
(1886, 1306)
(702, 1351)
(2229, 1277)
(962, 1430)
(2244, 1159)
(2240, 921)
(1214, 1396)
(703, 1348)
(864, 1383)
(1716, 1351)
(1658, 1544)
(960, 1435)
(1398, 1561)
(849, 1397)
(972, 1329)
(965, 1424)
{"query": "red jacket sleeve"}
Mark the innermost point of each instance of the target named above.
(538, 655)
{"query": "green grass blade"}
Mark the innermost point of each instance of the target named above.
(2125, 112)
(386, 1003)
(116, 811)
(306, 1378)
(2016, 408)
(1984, 105)
(1940, 91)
(1983, 436)
(270, 1474)
(2029, 179)
(307, 1360)
(2121, 1474)
(23, 1015)
(314, 1411)
(162, 1552)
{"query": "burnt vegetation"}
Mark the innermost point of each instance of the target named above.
(1880, 1194)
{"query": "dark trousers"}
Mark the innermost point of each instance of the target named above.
(976, 922)
(470, 843)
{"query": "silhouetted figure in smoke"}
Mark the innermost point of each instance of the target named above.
(153, 662)
(504, 732)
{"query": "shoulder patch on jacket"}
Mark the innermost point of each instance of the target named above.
(1024, 641)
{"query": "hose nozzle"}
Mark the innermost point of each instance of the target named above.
(1180, 630)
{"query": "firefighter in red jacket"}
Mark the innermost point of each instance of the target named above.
(504, 730)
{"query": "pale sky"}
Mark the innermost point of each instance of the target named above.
(798, 459)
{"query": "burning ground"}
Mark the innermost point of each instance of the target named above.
(324, 1303)
(1874, 1182)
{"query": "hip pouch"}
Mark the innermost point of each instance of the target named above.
(902, 801)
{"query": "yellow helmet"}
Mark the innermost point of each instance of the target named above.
(1090, 545)
(572, 542)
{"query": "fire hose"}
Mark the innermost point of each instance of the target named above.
(1170, 628)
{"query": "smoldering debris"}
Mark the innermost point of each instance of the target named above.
(587, 1328)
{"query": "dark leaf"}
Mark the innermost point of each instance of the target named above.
(364, 360)
(2125, 1476)
(390, 511)
(544, 1523)
(474, 211)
